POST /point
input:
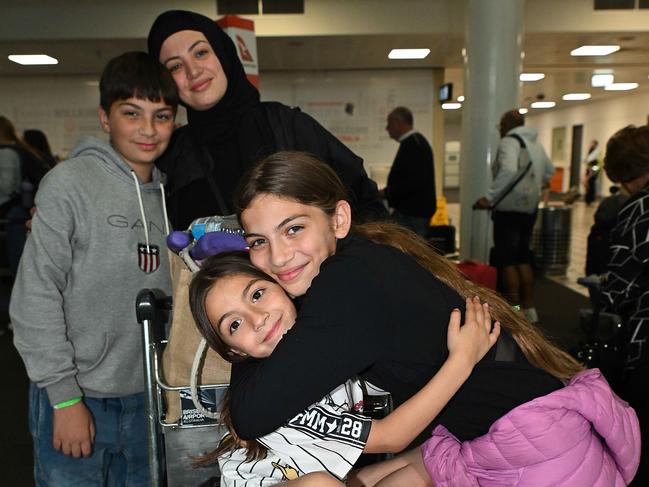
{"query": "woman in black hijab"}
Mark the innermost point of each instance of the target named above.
(229, 128)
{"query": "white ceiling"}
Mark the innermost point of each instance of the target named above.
(547, 52)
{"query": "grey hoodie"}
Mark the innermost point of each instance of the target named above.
(73, 302)
(505, 167)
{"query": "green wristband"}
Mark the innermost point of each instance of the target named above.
(68, 403)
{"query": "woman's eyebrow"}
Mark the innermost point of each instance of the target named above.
(188, 50)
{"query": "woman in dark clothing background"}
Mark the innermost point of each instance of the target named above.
(37, 140)
(229, 128)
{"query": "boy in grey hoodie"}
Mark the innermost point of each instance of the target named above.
(97, 239)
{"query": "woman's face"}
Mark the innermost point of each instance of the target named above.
(197, 71)
(289, 240)
(249, 314)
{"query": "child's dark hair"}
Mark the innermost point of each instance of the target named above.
(136, 74)
(214, 268)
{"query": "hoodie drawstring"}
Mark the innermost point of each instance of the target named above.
(139, 200)
(164, 208)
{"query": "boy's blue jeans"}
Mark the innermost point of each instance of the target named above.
(119, 453)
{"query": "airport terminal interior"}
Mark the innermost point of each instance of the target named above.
(475, 60)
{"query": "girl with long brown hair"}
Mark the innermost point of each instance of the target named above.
(373, 301)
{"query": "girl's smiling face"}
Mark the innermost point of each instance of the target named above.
(249, 314)
(289, 240)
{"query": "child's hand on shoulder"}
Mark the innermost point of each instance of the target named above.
(471, 341)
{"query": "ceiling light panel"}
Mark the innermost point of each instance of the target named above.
(408, 53)
(531, 76)
(576, 96)
(451, 106)
(601, 79)
(621, 86)
(594, 50)
(32, 59)
(543, 104)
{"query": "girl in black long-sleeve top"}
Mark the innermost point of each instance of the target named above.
(370, 309)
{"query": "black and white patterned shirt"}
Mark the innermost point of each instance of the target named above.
(626, 289)
(328, 436)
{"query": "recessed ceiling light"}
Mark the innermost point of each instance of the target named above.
(621, 86)
(601, 78)
(543, 104)
(451, 106)
(594, 50)
(460, 98)
(523, 111)
(408, 53)
(576, 96)
(32, 59)
(531, 76)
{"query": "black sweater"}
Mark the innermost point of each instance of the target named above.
(411, 182)
(374, 311)
(261, 130)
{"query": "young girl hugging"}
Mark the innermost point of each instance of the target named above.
(244, 315)
(373, 302)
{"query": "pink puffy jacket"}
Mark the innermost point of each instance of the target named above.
(581, 435)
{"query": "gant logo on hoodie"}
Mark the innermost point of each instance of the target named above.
(148, 257)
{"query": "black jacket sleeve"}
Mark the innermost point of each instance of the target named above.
(340, 331)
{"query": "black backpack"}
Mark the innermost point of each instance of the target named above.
(32, 170)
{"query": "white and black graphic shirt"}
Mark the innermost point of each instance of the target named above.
(328, 436)
(627, 285)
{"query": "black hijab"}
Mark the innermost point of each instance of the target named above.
(218, 122)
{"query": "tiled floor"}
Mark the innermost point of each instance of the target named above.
(581, 221)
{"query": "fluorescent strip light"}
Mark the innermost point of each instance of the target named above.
(575, 96)
(543, 104)
(594, 50)
(460, 98)
(601, 79)
(451, 106)
(523, 111)
(32, 59)
(621, 86)
(408, 53)
(531, 76)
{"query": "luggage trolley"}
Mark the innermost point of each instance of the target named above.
(172, 445)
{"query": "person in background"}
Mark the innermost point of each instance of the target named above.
(515, 207)
(626, 285)
(21, 171)
(37, 140)
(410, 189)
(229, 129)
(97, 239)
(592, 172)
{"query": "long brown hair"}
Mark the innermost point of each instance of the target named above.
(303, 178)
(213, 269)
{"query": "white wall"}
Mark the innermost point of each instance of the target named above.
(600, 119)
(66, 107)
(354, 105)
